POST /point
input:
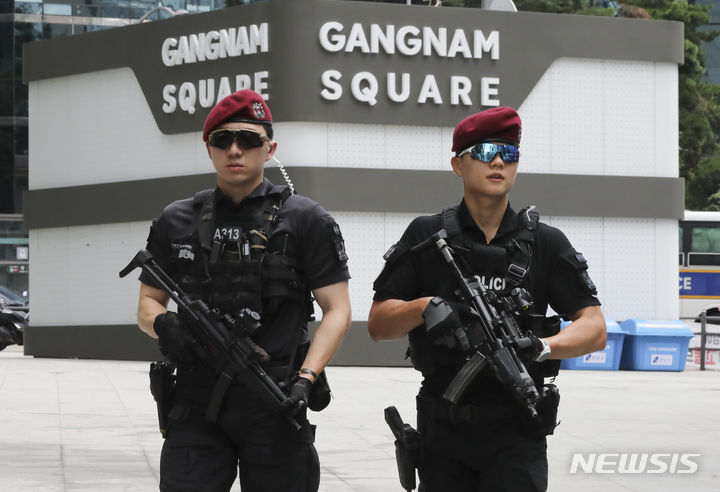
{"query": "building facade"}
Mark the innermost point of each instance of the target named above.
(365, 97)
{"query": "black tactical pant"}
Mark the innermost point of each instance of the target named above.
(270, 456)
(479, 454)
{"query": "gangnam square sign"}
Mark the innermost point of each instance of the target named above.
(340, 61)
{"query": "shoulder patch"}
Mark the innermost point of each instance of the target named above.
(574, 258)
(338, 241)
(577, 261)
(395, 252)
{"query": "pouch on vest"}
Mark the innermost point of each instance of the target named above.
(320, 394)
(546, 421)
(543, 327)
(420, 352)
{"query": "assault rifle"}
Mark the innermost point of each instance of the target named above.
(228, 346)
(493, 339)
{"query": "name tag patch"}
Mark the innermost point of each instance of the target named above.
(228, 234)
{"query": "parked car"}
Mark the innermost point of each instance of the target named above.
(14, 317)
(13, 300)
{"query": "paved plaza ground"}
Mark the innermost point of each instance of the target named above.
(90, 425)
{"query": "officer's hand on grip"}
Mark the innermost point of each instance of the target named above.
(531, 349)
(175, 341)
(299, 395)
(443, 318)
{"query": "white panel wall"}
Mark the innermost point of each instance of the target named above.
(633, 263)
(74, 279)
(602, 117)
(629, 118)
(301, 144)
(536, 149)
(631, 279)
(74, 275)
(667, 131)
(667, 304)
(584, 117)
(364, 236)
(576, 117)
(97, 128)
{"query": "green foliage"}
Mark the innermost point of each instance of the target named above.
(714, 202)
(702, 182)
(553, 6)
(699, 99)
(605, 12)
(699, 102)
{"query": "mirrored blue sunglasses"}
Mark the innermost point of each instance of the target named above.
(487, 151)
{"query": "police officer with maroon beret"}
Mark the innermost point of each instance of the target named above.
(485, 441)
(246, 244)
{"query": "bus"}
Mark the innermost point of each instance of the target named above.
(699, 287)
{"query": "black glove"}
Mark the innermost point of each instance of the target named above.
(443, 318)
(175, 341)
(529, 347)
(299, 394)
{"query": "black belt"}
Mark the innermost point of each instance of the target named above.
(469, 413)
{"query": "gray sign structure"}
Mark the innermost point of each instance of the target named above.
(296, 50)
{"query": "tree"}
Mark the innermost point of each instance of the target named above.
(699, 112)
(699, 99)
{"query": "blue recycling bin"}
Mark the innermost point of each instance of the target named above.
(607, 359)
(655, 345)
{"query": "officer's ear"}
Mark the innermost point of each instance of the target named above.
(271, 152)
(456, 162)
(207, 146)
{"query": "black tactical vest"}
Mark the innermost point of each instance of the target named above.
(235, 266)
(518, 249)
(511, 262)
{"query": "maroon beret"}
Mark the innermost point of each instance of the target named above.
(502, 123)
(245, 105)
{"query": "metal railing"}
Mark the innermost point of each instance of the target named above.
(704, 318)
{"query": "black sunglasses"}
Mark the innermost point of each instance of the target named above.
(246, 139)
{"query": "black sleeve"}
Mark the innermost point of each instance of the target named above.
(396, 280)
(158, 246)
(322, 249)
(570, 288)
(399, 277)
